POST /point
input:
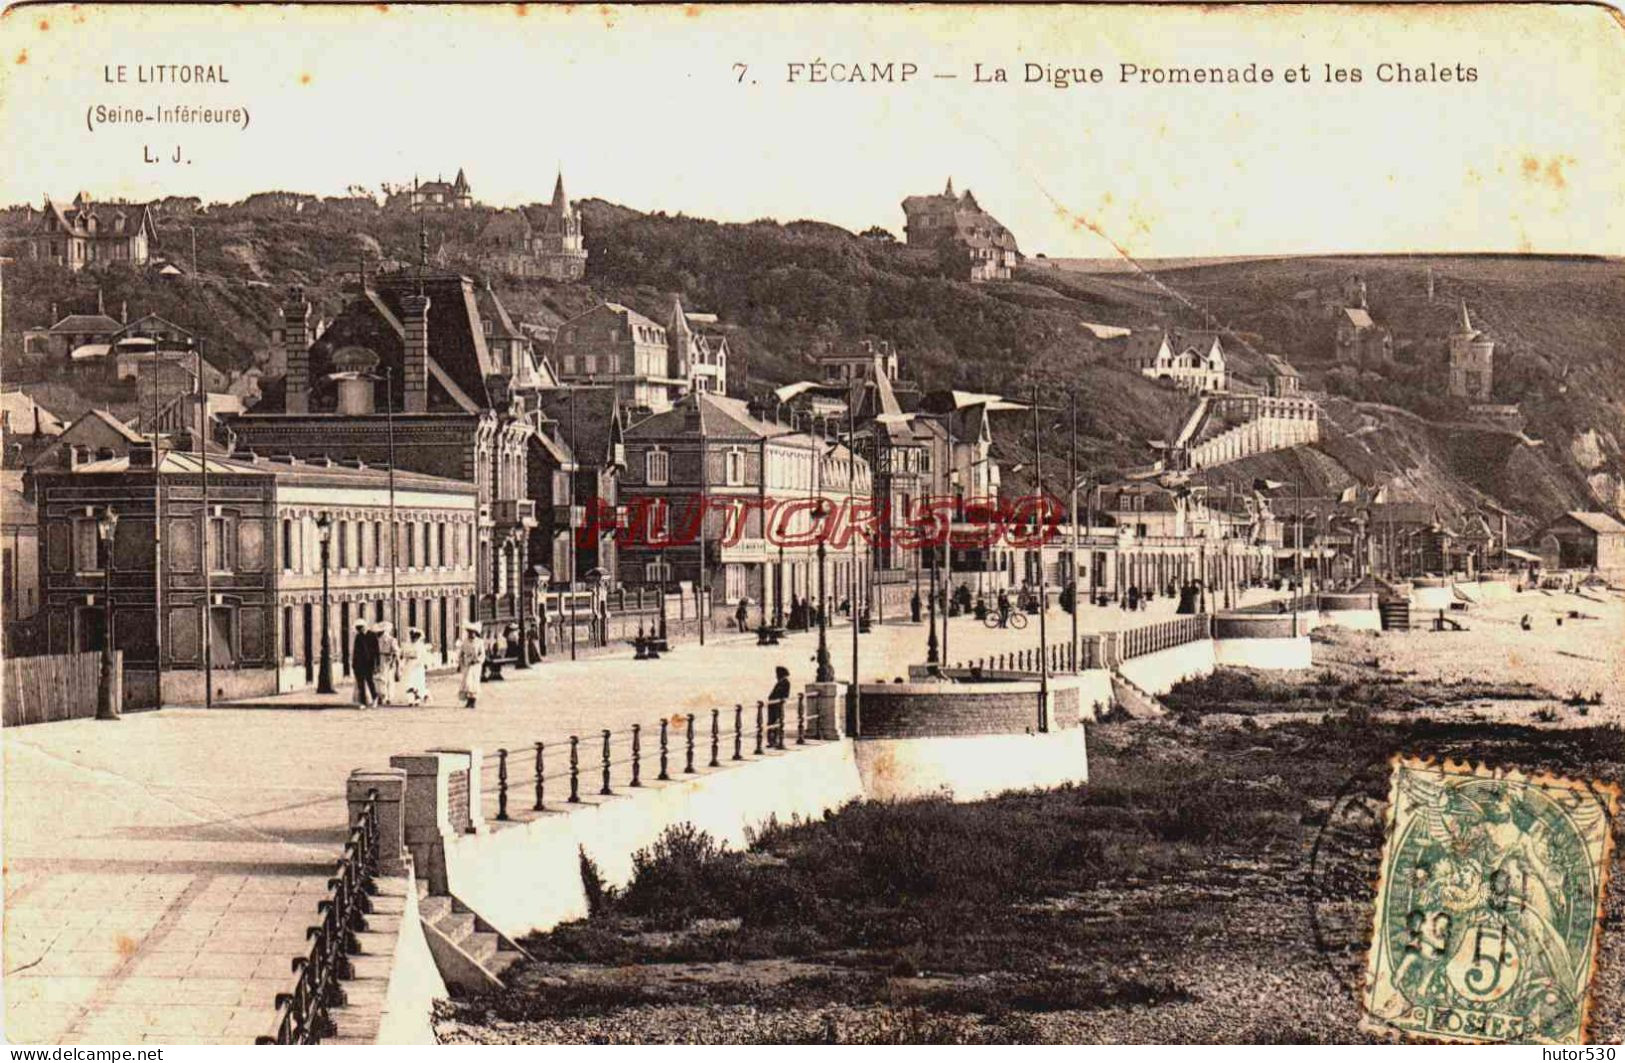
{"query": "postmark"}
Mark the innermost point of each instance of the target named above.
(1489, 903)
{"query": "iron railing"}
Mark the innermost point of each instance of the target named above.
(1103, 650)
(542, 776)
(304, 1015)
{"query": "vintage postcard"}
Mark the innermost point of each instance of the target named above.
(811, 523)
(1490, 904)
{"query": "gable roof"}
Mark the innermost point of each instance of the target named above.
(1359, 317)
(76, 323)
(718, 417)
(589, 419)
(1601, 523)
(21, 415)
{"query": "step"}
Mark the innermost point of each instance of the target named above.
(481, 946)
(431, 909)
(457, 926)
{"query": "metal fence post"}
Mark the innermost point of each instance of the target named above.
(801, 719)
(739, 723)
(637, 755)
(688, 766)
(714, 762)
(540, 792)
(664, 774)
(759, 708)
(575, 770)
(502, 784)
(606, 790)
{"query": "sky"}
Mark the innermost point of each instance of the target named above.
(694, 110)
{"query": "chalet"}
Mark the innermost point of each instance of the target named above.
(90, 233)
(1583, 540)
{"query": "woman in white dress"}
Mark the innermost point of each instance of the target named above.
(389, 663)
(471, 662)
(415, 666)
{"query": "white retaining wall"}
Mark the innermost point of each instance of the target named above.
(1353, 619)
(1156, 673)
(414, 982)
(526, 877)
(1263, 653)
(970, 767)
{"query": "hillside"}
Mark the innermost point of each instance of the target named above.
(784, 290)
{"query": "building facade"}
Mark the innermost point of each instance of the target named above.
(88, 233)
(615, 345)
(720, 498)
(409, 377)
(1581, 540)
(234, 599)
(1472, 360)
(981, 247)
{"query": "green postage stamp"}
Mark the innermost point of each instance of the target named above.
(1489, 904)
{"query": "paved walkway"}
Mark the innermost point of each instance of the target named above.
(160, 871)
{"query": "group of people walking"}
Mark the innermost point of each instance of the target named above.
(385, 668)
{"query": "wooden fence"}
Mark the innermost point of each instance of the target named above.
(55, 687)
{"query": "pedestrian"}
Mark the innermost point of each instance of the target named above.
(1004, 609)
(742, 616)
(775, 706)
(415, 667)
(1133, 599)
(389, 663)
(471, 662)
(1524, 623)
(363, 663)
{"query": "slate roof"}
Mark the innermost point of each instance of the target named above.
(590, 429)
(1601, 523)
(314, 473)
(77, 323)
(719, 418)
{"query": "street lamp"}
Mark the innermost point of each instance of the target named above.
(826, 670)
(324, 670)
(106, 526)
(931, 656)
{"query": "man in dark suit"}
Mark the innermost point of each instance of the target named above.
(775, 707)
(364, 664)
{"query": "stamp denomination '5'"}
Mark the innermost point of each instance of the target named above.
(1488, 906)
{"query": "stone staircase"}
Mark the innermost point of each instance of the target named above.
(472, 955)
(1139, 703)
(357, 1020)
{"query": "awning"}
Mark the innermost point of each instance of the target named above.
(89, 351)
(1522, 555)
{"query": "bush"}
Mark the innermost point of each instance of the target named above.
(686, 874)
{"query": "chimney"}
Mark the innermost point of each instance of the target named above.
(296, 344)
(415, 374)
(141, 455)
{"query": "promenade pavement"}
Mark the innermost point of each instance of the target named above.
(160, 871)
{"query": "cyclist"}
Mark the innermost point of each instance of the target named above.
(1004, 609)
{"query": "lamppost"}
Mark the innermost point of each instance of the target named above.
(931, 656)
(324, 670)
(826, 670)
(106, 527)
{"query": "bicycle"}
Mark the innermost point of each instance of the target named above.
(1016, 620)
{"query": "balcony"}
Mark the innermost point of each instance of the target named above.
(565, 516)
(514, 511)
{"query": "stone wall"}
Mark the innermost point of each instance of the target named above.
(929, 709)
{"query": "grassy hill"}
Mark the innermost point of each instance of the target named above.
(782, 291)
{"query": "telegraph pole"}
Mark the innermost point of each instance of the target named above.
(1043, 640)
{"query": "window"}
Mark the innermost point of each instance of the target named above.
(377, 543)
(411, 544)
(440, 543)
(287, 631)
(89, 553)
(734, 466)
(657, 467)
(342, 534)
(220, 553)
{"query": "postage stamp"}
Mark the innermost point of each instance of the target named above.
(1489, 904)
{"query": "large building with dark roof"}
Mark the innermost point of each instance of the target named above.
(957, 223)
(412, 378)
(544, 241)
(87, 233)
